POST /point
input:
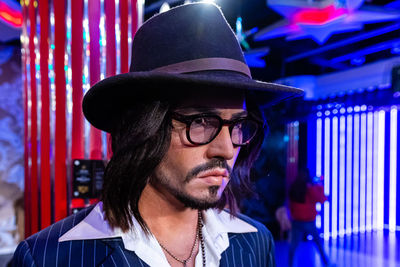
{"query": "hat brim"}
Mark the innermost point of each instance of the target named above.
(104, 103)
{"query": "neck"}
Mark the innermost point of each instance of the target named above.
(164, 214)
(174, 226)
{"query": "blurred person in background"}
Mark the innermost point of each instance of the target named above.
(304, 193)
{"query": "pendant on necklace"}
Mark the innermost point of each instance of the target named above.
(184, 263)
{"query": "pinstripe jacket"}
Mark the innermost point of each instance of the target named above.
(44, 248)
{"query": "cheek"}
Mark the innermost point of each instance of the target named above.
(181, 157)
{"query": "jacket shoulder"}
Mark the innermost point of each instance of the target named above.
(259, 226)
(59, 228)
(252, 248)
(35, 247)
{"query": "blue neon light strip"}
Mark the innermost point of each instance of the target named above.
(327, 177)
(393, 169)
(342, 173)
(326, 220)
(381, 170)
(349, 178)
(370, 118)
(356, 172)
(334, 198)
(363, 162)
(318, 221)
(375, 171)
(318, 171)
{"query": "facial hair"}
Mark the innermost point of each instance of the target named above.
(184, 197)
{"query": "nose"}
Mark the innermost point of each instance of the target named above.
(222, 146)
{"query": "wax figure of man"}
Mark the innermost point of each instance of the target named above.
(185, 128)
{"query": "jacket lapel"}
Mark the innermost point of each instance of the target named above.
(237, 254)
(118, 255)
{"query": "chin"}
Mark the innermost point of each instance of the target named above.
(211, 201)
(199, 204)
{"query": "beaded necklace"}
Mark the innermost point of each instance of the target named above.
(199, 235)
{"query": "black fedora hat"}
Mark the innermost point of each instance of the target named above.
(189, 47)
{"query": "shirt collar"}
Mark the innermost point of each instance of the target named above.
(95, 226)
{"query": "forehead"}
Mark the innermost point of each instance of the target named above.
(209, 98)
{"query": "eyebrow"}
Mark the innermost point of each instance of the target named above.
(190, 110)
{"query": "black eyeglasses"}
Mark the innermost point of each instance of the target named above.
(201, 129)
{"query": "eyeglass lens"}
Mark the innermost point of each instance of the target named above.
(203, 130)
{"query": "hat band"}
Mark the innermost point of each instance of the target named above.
(203, 64)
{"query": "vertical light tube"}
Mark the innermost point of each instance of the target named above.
(334, 194)
(118, 36)
(86, 74)
(356, 172)
(318, 221)
(318, 163)
(140, 11)
(69, 103)
(375, 172)
(103, 41)
(103, 65)
(68, 78)
(318, 171)
(327, 156)
(327, 159)
(349, 169)
(130, 25)
(381, 169)
(52, 109)
(38, 100)
(342, 192)
(393, 169)
(370, 131)
(363, 161)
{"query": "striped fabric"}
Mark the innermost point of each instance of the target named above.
(43, 248)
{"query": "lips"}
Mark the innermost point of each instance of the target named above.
(216, 172)
(214, 177)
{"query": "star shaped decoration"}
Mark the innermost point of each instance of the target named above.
(319, 23)
(321, 33)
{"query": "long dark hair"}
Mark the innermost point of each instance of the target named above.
(140, 140)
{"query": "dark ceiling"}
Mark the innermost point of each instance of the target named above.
(374, 40)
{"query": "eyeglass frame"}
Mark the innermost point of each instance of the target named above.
(188, 120)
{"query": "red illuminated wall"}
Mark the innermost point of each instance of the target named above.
(66, 50)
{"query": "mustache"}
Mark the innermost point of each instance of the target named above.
(212, 164)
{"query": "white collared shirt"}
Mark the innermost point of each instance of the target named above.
(216, 227)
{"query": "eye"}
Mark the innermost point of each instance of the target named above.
(200, 121)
